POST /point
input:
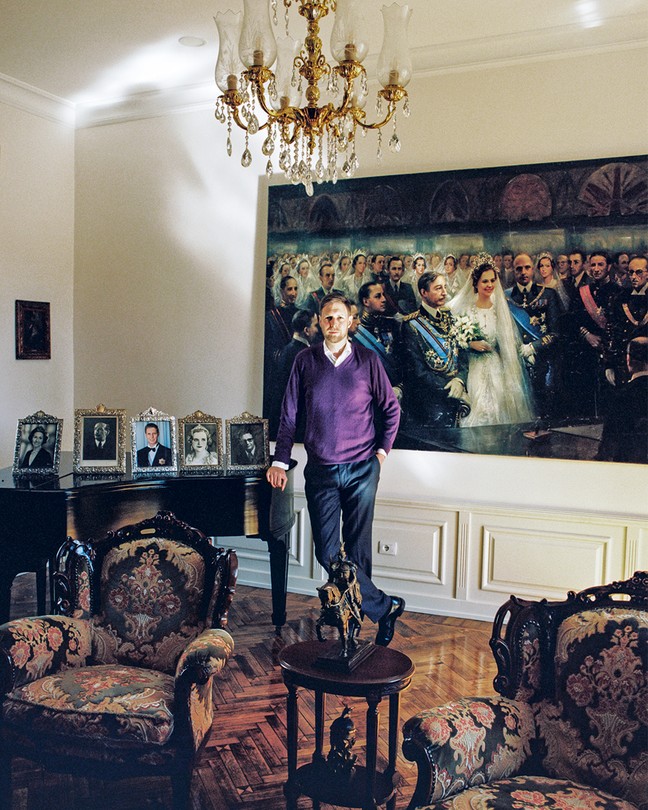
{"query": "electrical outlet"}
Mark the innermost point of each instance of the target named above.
(388, 548)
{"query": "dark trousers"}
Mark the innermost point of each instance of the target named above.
(349, 491)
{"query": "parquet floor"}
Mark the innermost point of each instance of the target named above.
(243, 764)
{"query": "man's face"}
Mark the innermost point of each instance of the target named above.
(562, 265)
(599, 269)
(101, 432)
(248, 441)
(378, 264)
(335, 321)
(435, 296)
(327, 276)
(638, 272)
(507, 259)
(289, 292)
(623, 263)
(151, 436)
(310, 332)
(396, 270)
(523, 269)
(575, 264)
(375, 302)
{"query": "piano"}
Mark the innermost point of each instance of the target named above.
(38, 513)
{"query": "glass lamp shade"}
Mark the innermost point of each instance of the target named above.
(394, 62)
(347, 39)
(287, 94)
(257, 46)
(228, 65)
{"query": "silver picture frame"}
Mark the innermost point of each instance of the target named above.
(164, 461)
(99, 441)
(200, 444)
(248, 443)
(38, 445)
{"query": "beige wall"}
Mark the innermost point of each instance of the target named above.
(36, 264)
(169, 256)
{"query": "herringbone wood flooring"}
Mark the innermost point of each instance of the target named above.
(243, 764)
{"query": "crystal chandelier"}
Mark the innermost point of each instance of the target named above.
(315, 141)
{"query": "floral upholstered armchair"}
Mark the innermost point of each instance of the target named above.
(120, 684)
(570, 729)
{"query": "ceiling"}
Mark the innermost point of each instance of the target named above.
(89, 52)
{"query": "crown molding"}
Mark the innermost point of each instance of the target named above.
(37, 102)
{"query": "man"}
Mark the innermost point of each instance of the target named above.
(380, 334)
(507, 268)
(562, 265)
(625, 429)
(247, 450)
(589, 314)
(305, 332)
(327, 279)
(577, 275)
(536, 312)
(352, 419)
(154, 454)
(99, 444)
(620, 270)
(435, 367)
(399, 296)
(378, 267)
(628, 319)
(279, 319)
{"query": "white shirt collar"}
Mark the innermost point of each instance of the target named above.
(300, 339)
(337, 360)
(642, 291)
(433, 311)
(524, 289)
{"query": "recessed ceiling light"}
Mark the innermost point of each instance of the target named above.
(192, 42)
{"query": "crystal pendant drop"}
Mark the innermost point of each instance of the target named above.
(354, 163)
(394, 143)
(253, 124)
(308, 185)
(379, 152)
(229, 146)
(269, 169)
(319, 170)
(268, 146)
(246, 158)
(406, 108)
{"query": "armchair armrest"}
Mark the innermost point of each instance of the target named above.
(203, 658)
(467, 742)
(37, 646)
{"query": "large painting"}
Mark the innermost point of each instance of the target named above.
(524, 285)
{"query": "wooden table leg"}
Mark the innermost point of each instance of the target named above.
(320, 708)
(394, 703)
(292, 724)
(372, 752)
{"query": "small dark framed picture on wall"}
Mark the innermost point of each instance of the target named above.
(33, 340)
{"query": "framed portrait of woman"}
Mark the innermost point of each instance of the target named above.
(38, 445)
(200, 444)
(100, 441)
(248, 444)
(153, 442)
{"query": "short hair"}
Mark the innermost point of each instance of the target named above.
(105, 425)
(363, 292)
(394, 259)
(324, 263)
(580, 252)
(335, 296)
(602, 253)
(638, 351)
(428, 278)
(301, 319)
(35, 430)
(151, 425)
(285, 280)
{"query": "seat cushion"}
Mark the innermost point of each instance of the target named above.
(533, 793)
(113, 704)
(596, 729)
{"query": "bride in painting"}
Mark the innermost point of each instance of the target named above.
(498, 386)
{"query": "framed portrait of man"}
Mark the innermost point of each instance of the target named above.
(38, 445)
(153, 443)
(33, 341)
(100, 441)
(200, 444)
(248, 445)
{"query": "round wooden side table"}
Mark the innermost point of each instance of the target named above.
(385, 673)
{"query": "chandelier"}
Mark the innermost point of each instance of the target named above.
(313, 141)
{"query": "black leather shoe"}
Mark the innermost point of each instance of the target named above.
(386, 625)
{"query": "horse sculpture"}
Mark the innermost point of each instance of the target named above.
(341, 600)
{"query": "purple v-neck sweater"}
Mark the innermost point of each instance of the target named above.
(351, 409)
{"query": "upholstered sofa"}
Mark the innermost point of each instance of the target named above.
(569, 728)
(120, 684)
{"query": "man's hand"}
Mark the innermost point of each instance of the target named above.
(593, 340)
(380, 458)
(277, 478)
(455, 389)
(528, 353)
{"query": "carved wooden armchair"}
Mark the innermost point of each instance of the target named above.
(120, 684)
(570, 729)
